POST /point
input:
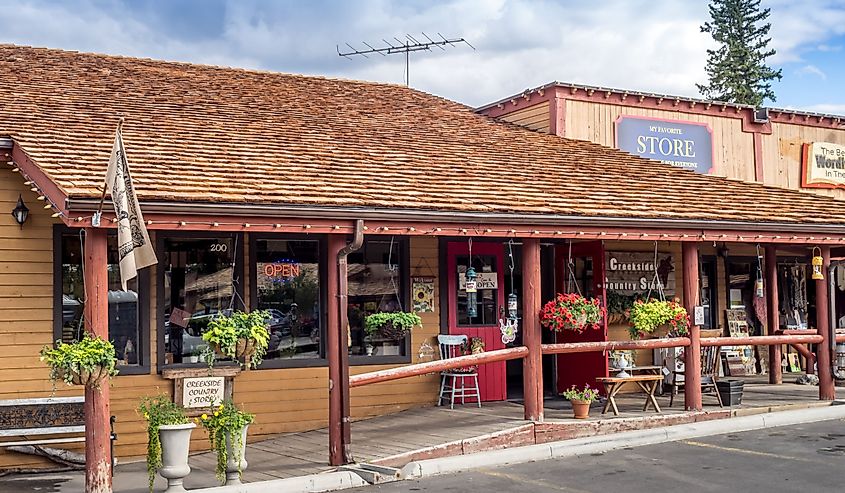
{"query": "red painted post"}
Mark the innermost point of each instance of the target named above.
(827, 389)
(97, 412)
(772, 313)
(692, 354)
(532, 367)
(333, 348)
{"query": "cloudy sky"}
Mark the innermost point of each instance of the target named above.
(646, 45)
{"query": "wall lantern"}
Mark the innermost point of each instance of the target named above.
(818, 261)
(471, 289)
(20, 212)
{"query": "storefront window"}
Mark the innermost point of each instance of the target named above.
(792, 290)
(124, 310)
(377, 280)
(287, 277)
(197, 285)
(487, 297)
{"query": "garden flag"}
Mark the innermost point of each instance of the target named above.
(133, 243)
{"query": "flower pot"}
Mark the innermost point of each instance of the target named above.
(175, 442)
(244, 350)
(390, 331)
(658, 333)
(235, 457)
(88, 378)
(581, 409)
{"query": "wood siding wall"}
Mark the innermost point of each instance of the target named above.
(534, 117)
(284, 400)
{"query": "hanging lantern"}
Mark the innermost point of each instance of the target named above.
(818, 261)
(512, 306)
(471, 290)
(758, 287)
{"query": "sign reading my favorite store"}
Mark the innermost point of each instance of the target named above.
(824, 165)
(687, 145)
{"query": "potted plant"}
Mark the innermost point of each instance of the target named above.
(391, 325)
(227, 428)
(657, 318)
(581, 400)
(84, 362)
(168, 440)
(619, 306)
(241, 336)
(573, 312)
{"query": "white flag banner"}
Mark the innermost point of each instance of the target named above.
(133, 243)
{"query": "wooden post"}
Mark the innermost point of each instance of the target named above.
(96, 312)
(692, 354)
(532, 368)
(333, 349)
(827, 390)
(772, 313)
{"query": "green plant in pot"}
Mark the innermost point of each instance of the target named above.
(391, 325)
(658, 317)
(85, 362)
(581, 400)
(241, 336)
(168, 439)
(227, 427)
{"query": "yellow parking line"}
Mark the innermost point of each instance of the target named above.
(525, 480)
(745, 451)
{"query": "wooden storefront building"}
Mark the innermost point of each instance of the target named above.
(252, 183)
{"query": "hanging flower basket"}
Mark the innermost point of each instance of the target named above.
(87, 362)
(572, 312)
(241, 336)
(656, 318)
(84, 376)
(391, 325)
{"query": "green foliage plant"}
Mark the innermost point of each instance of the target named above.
(90, 354)
(226, 331)
(736, 71)
(225, 419)
(158, 411)
(587, 394)
(402, 323)
(647, 316)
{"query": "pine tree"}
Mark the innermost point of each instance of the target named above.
(737, 72)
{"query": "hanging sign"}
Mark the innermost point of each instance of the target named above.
(483, 280)
(687, 145)
(422, 289)
(633, 273)
(823, 165)
(281, 270)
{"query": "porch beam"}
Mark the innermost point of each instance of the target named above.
(98, 476)
(692, 356)
(601, 346)
(827, 390)
(532, 368)
(333, 348)
(773, 313)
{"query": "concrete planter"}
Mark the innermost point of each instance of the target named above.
(175, 442)
(233, 476)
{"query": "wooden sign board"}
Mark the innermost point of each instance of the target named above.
(202, 392)
(736, 368)
(196, 389)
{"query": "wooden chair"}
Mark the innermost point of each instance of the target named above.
(453, 383)
(709, 374)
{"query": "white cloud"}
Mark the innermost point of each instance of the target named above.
(811, 70)
(825, 48)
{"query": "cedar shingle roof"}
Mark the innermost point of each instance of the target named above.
(210, 134)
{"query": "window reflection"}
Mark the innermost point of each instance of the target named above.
(287, 276)
(486, 299)
(124, 325)
(197, 286)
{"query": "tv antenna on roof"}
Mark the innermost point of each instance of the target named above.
(407, 46)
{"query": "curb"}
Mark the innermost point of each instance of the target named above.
(605, 443)
(313, 483)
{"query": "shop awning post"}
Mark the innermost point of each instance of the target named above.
(827, 389)
(98, 465)
(532, 370)
(692, 354)
(773, 313)
(333, 347)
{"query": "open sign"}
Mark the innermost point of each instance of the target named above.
(483, 280)
(281, 270)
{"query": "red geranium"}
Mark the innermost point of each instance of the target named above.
(572, 311)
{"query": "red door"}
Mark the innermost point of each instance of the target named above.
(488, 262)
(588, 273)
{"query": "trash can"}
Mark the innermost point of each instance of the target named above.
(730, 391)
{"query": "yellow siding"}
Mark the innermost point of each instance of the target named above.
(534, 117)
(782, 154)
(733, 150)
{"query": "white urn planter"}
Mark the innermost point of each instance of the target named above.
(235, 452)
(175, 442)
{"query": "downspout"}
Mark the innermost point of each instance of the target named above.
(343, 288)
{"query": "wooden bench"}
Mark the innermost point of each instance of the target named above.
(31, 419)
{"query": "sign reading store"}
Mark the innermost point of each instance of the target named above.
(687, 145)
(823, 165)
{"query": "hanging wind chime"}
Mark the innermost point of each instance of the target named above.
(471, 287)
(510, 325)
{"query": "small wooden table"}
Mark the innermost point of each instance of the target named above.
(647, 383)
(653, 369)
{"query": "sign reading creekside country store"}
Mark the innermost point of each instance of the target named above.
(823, 165)
(202, 391)
(687, 145)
